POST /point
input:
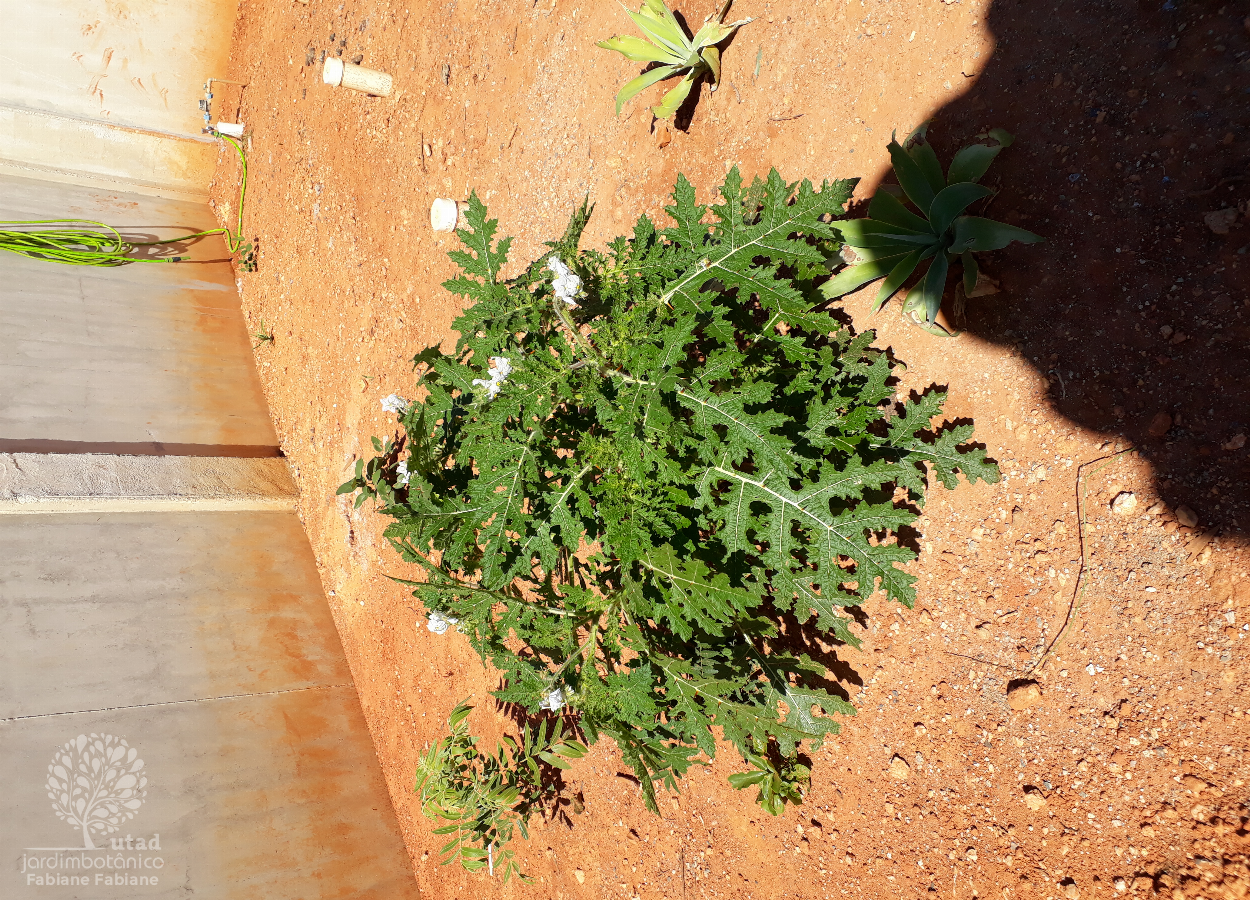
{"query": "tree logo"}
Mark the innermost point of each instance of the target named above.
(96, 783)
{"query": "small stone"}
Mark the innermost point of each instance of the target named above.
(1179, 338)
(1117, 411)
(1199, 547)
(1033, 798)
(1156, 509)
(1023, 694)
(1200, 813)
(1236, 442)
(1160, 425)
(1071, 891)
(1229, 137)
(1124, 504)
(1120, 885)
(580, 876)
(1194, 783)
(663, 137)
(925, 617)
(985, 286)
(899, 770)
(1166, 331)
(1186, 517)
(1058, 82)
(1221, 220)
(971, 854)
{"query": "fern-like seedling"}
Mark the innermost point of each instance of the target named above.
(639, 462)
(484, 796)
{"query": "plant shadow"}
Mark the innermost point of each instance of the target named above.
(1134, 167)
(175, 249)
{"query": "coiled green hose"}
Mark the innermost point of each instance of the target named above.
(81, 242)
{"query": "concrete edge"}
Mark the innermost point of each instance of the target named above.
(141, 505)
(33, 483)
(118, 183)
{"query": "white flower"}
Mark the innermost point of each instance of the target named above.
(554, 700)
(498, 373)
(439, 623)
(401, 473)
(395, 404)
(566, 284)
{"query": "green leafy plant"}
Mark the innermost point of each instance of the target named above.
(778, 784)
(374, 478)
(262, 336)
(639, 463)
(893, 242)
(673, 51)
(248, 260)
(486, 796)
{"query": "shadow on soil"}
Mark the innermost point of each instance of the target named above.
(1131, 129)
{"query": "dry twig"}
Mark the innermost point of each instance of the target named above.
(1078, 589)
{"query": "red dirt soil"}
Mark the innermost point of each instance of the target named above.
(1128, 327)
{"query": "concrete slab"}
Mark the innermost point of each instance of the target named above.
(204, 643)
(130, 610)
(264, 797)
(138, 353)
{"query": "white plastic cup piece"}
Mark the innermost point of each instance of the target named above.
(233, 129)
(332, 72)
(357, 78)
(445, 214)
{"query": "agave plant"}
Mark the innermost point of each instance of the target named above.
(893, 242)
(675, 53)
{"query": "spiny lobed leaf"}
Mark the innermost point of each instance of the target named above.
(692, 450)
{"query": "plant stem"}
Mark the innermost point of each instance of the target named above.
(573, 657)
(581, 341)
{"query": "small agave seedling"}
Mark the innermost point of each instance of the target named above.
(675, 53)
(894, 241)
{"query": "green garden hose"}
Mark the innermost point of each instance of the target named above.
(80, 242)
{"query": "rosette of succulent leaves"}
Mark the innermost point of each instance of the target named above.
(679, 488)
(894, 242)
(672, 51)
